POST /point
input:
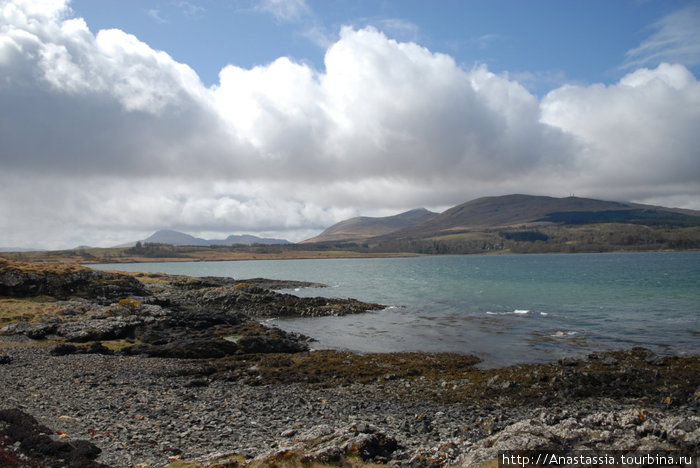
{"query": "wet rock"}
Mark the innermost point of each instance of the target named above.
(257, 302)
(252, 344)
(187, 348)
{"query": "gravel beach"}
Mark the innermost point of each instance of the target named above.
(105, 371)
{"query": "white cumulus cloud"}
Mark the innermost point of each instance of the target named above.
(105, 138)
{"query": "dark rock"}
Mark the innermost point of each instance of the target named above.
(64, 349)
(370, 446)
(609, 361)
(35, 441)
(5, 358)
(18, 279)
(252, 344)
(194, 383)
(567, 361)
(39, 331)
(189, 348)
(98, 348)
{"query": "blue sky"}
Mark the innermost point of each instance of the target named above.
(543, 43)
(280, 118)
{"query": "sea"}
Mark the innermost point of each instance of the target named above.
(505, 309)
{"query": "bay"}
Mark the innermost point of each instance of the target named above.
(506, 309)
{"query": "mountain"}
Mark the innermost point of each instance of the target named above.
(180, 238)
(512, 211)
(364, 227)
(523, 224)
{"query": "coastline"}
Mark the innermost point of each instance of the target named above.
(154, 411)
(152, 369)
(98, 255)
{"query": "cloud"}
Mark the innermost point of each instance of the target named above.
(105, 139)
(190, 9)
(399, 28)
(155, 14)
(637, 134)
(284, 10)
(676, 40)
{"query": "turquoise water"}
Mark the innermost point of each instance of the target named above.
(505, 309)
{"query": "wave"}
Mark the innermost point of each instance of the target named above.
(513, 312)
(564, 334)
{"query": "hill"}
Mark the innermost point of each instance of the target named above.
(509, 211)
(365, 227)
(505, 224)
(180, 238)
(532, 224)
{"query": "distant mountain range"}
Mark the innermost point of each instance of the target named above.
(180, 238)
(490, 220)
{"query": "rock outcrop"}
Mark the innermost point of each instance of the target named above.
(26, 443)
(21, 279)
(165, 316)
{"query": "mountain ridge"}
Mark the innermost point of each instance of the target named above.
(177, 238)
(520, 211)
(364, 227)
(510, 210)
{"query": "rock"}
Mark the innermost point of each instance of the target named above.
(35, 441)
(322, 444)
(5, 358)
(109, 328)
(64, 349)
(370, 446)
(609, 361)
(98, 348)
(22, 279)
(251, 344)
(627, 430)
(18, 328)
(316, 433)
(195, 383)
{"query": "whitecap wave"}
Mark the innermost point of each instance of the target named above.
(564, 334)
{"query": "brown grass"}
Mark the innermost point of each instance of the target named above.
(32, 310)
(41, 268)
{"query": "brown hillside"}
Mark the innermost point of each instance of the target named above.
(364, 227)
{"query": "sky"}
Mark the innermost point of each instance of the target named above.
(282, 117)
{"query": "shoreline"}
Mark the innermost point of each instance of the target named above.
(256, 408)
(74, 256)
(149, 369)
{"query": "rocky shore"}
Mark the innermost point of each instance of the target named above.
(105, 369)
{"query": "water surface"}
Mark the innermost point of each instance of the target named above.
(506, 309)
